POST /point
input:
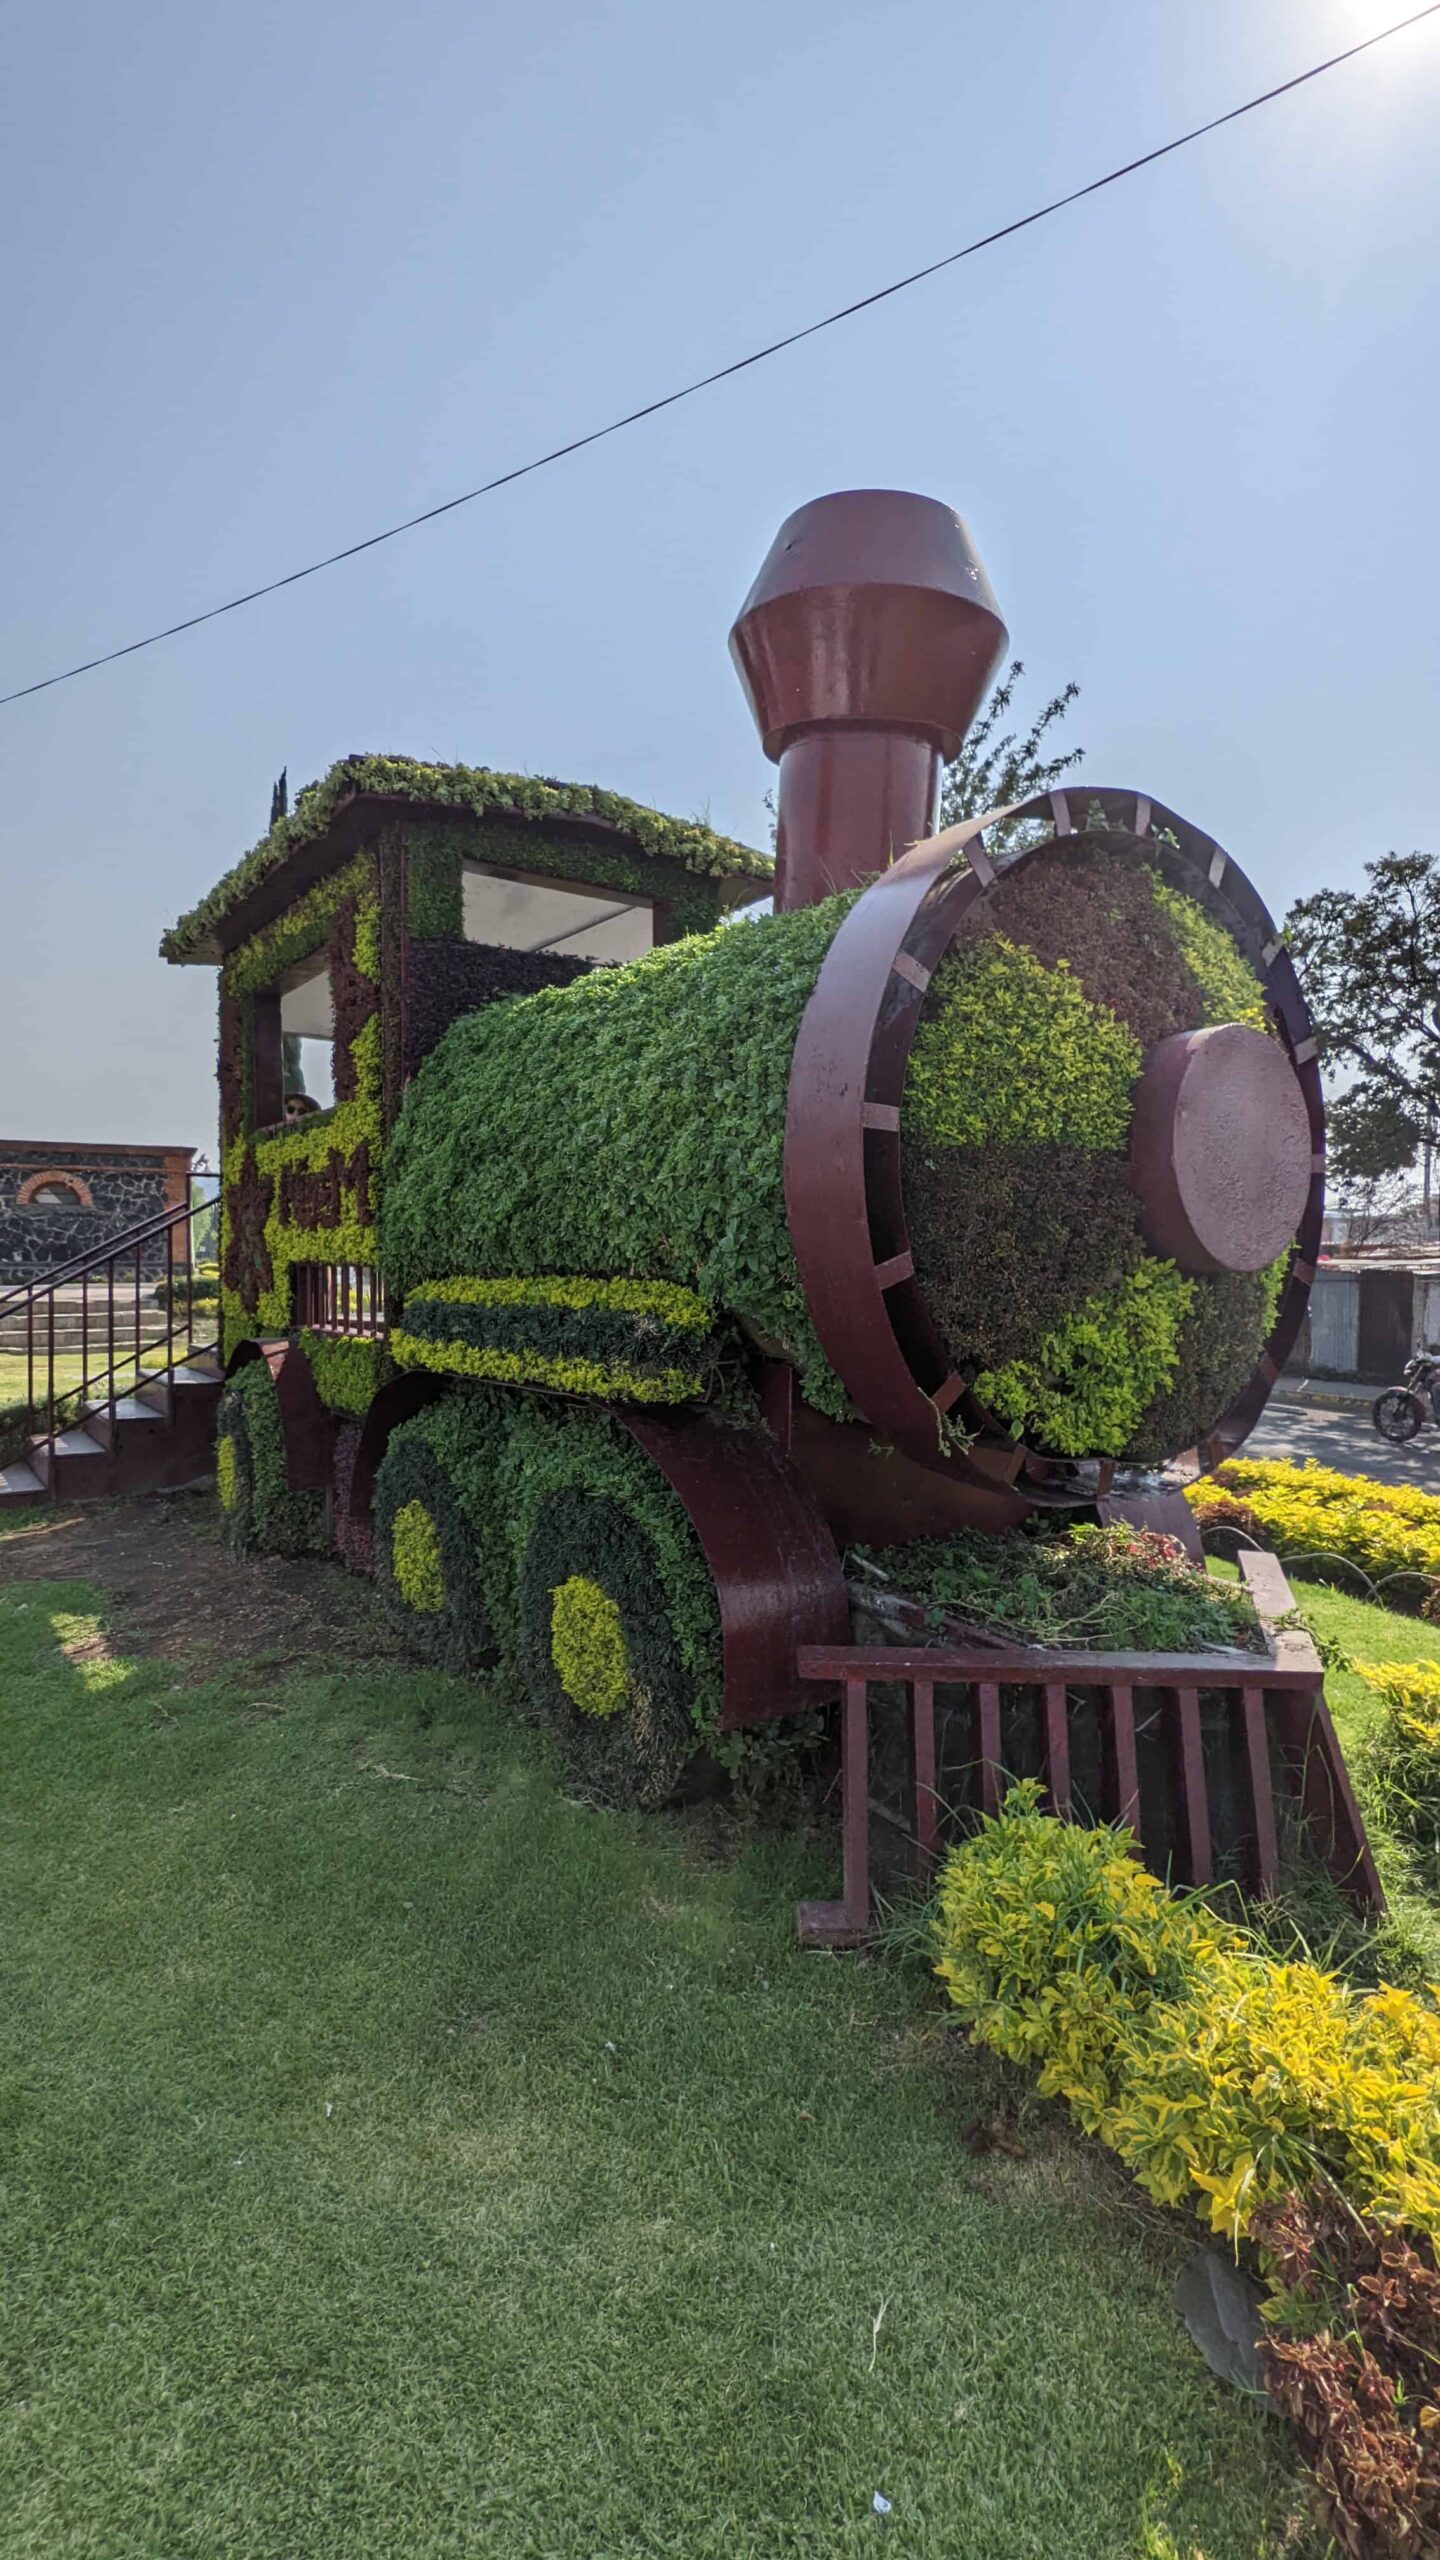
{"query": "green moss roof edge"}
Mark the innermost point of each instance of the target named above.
(458, 786)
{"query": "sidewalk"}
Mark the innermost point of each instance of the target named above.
(1333, 1395)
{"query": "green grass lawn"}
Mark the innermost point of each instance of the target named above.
(1406, 1946)
(399, 2160)
(71, 1370)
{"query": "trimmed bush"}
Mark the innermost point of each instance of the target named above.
(262, 1516)
(526, 1499)
(1218, 2075)
(630, 1125)
(641, 1340)
(435, 1577)
(1320, 1522)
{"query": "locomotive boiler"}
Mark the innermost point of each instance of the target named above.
(643, 1256)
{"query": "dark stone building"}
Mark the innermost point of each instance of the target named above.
(57, 1200)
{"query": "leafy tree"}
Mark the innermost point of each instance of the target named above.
(994, 770)
(1369, 961)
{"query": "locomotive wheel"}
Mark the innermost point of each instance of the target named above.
(427, 1558)
(1398, 1415)
(262, 1516)
(599, 1649)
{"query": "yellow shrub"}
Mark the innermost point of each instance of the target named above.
(1213, 2071)
(1315, 1512)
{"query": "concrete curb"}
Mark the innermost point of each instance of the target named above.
(1329, 1396)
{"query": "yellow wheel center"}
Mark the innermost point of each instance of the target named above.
(587, 1647)
(415, 1558)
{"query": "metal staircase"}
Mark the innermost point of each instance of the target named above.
(115, 1355)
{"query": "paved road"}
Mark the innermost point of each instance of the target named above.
(1348, 1442)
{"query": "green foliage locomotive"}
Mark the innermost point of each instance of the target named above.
(632, 1260)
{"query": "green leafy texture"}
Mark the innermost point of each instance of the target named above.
(434, 905)
(1092, 904)
(1009, 1051)
(1230, 990)
(227, 1480)
(307, 1144)
(415, 1559)
(547, 1492)
(1222, 2078)
(459, 1631)
(471, 788)
(1113, 1589)
(1369, 962)
(1089, 1383)
(348, 1373)
(1009, 1240)
(632, 1125)
(646, 1341)
(587, 1647)
(300, 932)
(1230, 1318)
(263, 1517)
(1014, 1125)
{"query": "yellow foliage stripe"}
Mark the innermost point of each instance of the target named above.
(538, 1369)
(673, 1306)
(1216, 2073)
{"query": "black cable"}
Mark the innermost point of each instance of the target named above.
(741, 364)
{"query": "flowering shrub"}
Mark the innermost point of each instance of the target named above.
(1391, 1533)
(1216, 2073)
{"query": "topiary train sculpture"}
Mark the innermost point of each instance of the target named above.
(645, 1258)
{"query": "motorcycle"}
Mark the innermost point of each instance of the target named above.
(1399, 1414)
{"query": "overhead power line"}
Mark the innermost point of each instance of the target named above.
(741, 364)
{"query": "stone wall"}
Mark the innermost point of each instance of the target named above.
(114, 1187)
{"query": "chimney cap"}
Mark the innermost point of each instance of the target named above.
(871, 610)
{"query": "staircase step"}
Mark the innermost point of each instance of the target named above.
(19, 1483)
(77, 1443)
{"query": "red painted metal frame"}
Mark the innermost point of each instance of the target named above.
(842, 1146)
(776, 1572)
(1279, 1699)
(308, 1427)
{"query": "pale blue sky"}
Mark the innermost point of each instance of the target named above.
(277, 276)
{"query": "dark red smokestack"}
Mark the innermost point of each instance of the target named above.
(864, 647)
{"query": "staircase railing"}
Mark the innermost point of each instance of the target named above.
(139, 1308)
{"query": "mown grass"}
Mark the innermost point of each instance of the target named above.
(1405, 1946)
(399, 2159)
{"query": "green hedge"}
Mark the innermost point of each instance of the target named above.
(261, 1515)
(643, 1340)
(527, 1497)
(632, 1124)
